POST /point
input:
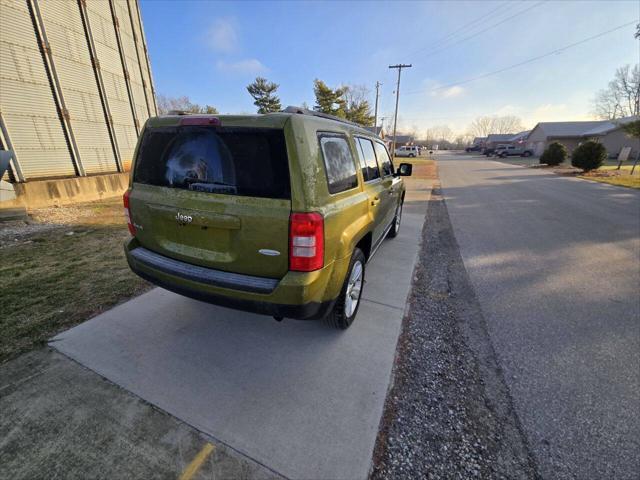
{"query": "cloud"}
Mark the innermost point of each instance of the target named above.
(222, 36)
(507, 110)
(450, 92)
(454, 91)
(250, 65)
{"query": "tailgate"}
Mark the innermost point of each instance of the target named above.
(215, 197)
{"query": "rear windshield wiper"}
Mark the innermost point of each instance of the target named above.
(191, 181)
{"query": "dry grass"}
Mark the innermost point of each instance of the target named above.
(63, 268)
(631, 181)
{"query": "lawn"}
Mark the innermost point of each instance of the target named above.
(65, 267)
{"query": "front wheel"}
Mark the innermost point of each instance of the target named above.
(526, 154)
(395, 228)
(346, 306)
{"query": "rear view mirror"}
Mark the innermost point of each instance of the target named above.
(405, 169)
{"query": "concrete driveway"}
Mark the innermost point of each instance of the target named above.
(555, 263)
(297, 397)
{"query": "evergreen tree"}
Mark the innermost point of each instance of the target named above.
(360, 112)
(264, 95)
(328, 100)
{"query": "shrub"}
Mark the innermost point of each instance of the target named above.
(554, 154)
(589, 156)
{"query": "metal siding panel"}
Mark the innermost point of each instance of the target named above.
(70, 50)
(146, 59)
(26, 99)
(115, 87)
(141, 58)
(131, 56)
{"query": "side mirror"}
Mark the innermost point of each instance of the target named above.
(405, 169)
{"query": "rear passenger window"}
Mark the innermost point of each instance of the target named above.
(338, 160)
(384, 159)
(370, 170)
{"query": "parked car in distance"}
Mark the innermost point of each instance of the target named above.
(513, 150)
(276, 214)
(473, 148)
(489, 151)
(408, 151)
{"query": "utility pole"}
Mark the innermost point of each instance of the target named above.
(400, 66)
(382, 119)
(375, 117)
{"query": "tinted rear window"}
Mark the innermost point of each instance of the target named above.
(234, 161)
(341, 169)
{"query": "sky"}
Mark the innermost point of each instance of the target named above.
(210, 51)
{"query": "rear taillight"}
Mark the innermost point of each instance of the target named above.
(127, 213)
(306, 242)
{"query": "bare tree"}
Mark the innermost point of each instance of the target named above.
(507, 124)
(166, 104)
(439, 133)
(483, 126)
(621, 97)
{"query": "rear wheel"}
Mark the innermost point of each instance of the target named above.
(395, 228)
(346, 306)
(526, 154)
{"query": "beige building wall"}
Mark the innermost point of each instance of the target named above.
(614, 141)
(75, 86)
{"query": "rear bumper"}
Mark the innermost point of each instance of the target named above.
(297, 295)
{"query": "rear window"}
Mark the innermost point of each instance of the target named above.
(227, 160)
(338, 160)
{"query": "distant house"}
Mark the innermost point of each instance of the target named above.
(379, 131)
(400, 140)
(572, 134)
(495, 139)
(614, 139)
(520, 137)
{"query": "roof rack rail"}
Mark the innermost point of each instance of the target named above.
(178, 112)
(313, 113)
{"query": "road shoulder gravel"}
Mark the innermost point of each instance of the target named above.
(448, 413)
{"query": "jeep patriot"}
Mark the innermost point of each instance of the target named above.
(276, 214)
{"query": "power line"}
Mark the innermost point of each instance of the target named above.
(446, 38)
(438, 50)
(519, 64)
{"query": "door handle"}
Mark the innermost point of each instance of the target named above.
(375, 201)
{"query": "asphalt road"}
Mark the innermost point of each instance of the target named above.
(555, 263)
(298, 398)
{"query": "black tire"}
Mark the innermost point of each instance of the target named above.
(411, 155)
(338, 317)
(395, 226)
(526, 154)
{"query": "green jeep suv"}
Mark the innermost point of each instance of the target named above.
(276, 214)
